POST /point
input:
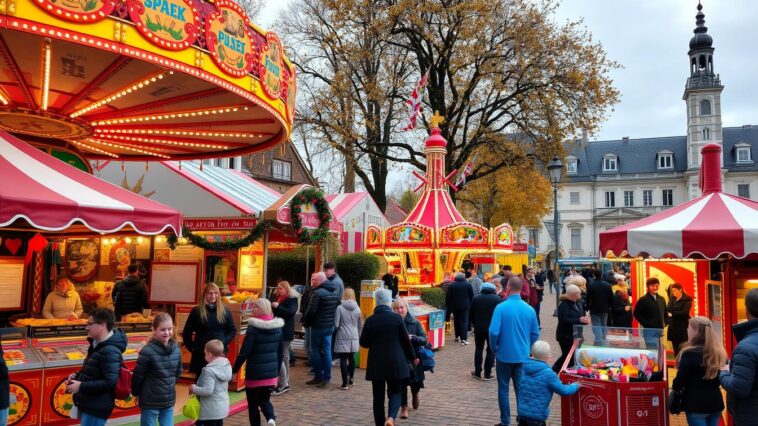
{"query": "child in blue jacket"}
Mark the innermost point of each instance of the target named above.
(538, 383)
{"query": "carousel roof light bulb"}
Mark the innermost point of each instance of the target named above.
(113, 241)
(140, 240)
(128, 240)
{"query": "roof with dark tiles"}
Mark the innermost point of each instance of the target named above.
(639, 156)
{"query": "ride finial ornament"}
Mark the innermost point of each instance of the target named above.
(436, 120)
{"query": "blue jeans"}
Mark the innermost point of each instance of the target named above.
(4, 416)
(652, 337)
(163, 416)
(90, 420)
(506, 371)
(599, 327)
(698, 419)
(321, 352)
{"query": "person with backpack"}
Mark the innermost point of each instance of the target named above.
(159, 364)
(93, 387)
(418, 338)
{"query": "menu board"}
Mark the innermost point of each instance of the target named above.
(11, 283)
(174, 282)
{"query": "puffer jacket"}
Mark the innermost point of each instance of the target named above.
(154, 379)
(4, 382)
(62, 305)
(99, 375)
(212, 389)
(679, 319)
(741, 382)
(338, 284)
(286, 310)
(129, 295)
(459, 296)
(347, 323)
(419, 338)
(261, 349)
(482, 308)
(322, 307)
(538, 383)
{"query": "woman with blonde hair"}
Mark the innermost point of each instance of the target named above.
(63, 301)
(347, 331)
(697, 377)
(207, 321)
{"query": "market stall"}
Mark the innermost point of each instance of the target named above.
(355, 211)
(435, 238)
(56, 219)
(712, 236)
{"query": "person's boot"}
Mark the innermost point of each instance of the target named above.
(404, 412)
(415, 401)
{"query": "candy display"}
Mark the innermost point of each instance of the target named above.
(620, 365)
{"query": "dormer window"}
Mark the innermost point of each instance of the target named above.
(571, 165)
(665, 160)
(610, 163)
(743, 153)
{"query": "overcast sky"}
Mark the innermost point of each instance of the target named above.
(649, 38)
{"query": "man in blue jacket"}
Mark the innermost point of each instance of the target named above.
(740, 377)
(513, 330)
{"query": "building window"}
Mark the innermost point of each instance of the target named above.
(706, 134)
(610, 163)
(668, 197)
(571, 166)
(610, 199)
(647, 197)
(574, 198)
(534, 236)
(576, 239)
(665, 161)
(705, 107)
(628, 198)
(743, 190)
(281, 170)
(743, 154)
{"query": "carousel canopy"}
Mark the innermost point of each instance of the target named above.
(143, 80)
(45, 193)
(711, 225)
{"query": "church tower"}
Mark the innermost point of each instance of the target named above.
(702, 95)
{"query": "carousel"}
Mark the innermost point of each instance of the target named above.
(435, 238)
(708, 244)
(142, 79)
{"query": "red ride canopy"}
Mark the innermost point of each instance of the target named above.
(711, 225)
(52, 195)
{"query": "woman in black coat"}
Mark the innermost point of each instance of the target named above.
(389, 351)
(621, 306)
(570, 313)
(417, 336)
(678, 311)
(697, 375)
(285, 306)
(209, 320)
(260, 354)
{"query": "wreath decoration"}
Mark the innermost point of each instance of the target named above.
(315, 197)
(254, 235)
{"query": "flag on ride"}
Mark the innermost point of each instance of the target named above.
(414, 102)
(460, 180)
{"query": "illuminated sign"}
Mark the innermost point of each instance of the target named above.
(271, 66)
(171, 24)
(228, 38)
(81, 11)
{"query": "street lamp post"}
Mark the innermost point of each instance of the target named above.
(555, 170)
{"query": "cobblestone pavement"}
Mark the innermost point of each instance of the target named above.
(451, 395)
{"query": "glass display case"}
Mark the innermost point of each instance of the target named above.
(623, 376)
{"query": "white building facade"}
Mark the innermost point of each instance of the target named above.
(611, 183)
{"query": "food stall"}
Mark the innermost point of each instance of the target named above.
(706, 244)
(623, 381)
(56, 221)
(435, 238)
(355, 211)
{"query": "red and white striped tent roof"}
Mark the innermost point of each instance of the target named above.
(710, 226)
(45, 193)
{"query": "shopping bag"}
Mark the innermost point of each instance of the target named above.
(191, 409)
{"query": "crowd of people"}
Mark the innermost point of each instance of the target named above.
(501, 310)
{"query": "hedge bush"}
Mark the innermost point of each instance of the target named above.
(434, 296)
(356, 267)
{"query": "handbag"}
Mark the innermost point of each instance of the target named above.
(426, 358)
(675, 402)
(191, 409)
(124, 385)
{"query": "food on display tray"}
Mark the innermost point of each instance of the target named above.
(45, 322)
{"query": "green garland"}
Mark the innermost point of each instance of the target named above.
(254, 235)
(315, 197)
